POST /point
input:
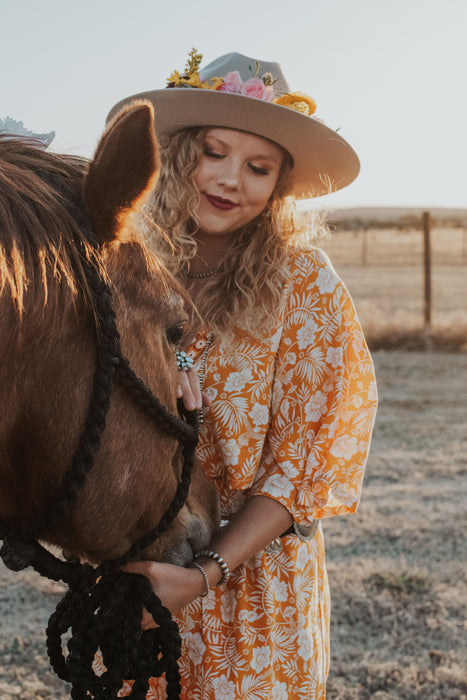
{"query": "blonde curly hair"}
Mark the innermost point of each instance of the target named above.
(247, 290)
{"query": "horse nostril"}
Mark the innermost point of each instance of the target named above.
(178, 554)
(200, 535)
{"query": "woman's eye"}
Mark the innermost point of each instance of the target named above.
(258, 169)
(213, 154)
(175, 333)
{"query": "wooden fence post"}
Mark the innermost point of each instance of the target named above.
(364, 251)
(427, 267)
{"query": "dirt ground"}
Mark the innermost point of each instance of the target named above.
(397, 568)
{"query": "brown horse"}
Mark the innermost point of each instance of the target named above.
(48, 355)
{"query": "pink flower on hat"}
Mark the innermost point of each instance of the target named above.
(268, 93)
(254, 87)
(232, 82)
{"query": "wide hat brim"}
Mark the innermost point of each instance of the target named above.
(323, 161)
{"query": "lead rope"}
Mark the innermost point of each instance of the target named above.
(103, 607)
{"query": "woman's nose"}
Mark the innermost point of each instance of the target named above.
(229, 176)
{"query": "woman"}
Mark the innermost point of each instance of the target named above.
(284, 367)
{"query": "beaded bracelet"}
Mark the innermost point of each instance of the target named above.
(184, 361)
(205, 577)
(209, 554)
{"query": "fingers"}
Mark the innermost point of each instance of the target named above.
(138, 567)
(175, 586)
(207, 401)
(147, 622)
(189, 390)
(143, 568)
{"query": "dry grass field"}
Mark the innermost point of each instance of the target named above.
(397, 568)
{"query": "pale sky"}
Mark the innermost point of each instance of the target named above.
(390, 74)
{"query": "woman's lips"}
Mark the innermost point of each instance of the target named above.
(220, 202)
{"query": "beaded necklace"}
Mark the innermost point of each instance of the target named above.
(202, 370)
(202, 275)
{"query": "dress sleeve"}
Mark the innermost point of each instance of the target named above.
(323, 400)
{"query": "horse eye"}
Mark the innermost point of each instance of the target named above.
(175, 333)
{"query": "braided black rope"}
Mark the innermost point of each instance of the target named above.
(102, 610)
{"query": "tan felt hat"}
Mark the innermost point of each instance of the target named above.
(238, 92)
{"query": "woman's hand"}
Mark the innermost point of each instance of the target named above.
(258, 522)
(189, 391)
(174, 585)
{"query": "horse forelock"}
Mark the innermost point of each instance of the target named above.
(41, 221)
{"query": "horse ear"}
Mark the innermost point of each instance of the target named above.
(123, 171)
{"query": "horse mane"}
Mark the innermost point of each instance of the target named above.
(41, 220)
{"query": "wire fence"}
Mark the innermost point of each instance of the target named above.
(397, 247)
(409, 284)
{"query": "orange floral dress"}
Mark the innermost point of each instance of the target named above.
(291, 419)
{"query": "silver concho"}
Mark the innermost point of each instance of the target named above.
(303, 532)
(274, 546)
(306, 532)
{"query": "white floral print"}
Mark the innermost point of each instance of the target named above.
(237, 380)
(230, 451)
(316, 406)
(261, 658)
(195, 647)
(291, 420)
(326, 280)
(259, 414)
(279, 691)
(344, 446)
(223, 688)
(306, 334)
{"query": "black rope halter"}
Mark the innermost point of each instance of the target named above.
(102, 609)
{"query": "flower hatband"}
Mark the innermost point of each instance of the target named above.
(258, 87)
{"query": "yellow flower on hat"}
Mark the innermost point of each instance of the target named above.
(193, 80)
(297, 101)
(191, 77)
